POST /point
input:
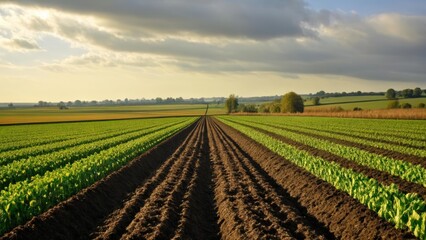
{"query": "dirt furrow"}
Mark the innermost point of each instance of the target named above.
(345, 217)
(160, 212)
(274, 216)
(115, 225)
(198, 219)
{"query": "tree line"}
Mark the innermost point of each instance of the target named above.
(406, 93)
(289, 103)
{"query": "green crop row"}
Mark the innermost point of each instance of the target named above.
(393, 147)
(23, 200)
(23, 136)
(404, 129)
(402, 169)
(20, 154)
(356, 131)
(26, 168)
(403, 210)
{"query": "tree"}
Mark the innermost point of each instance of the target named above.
(231, 104)
(10, 105)
(292, 103)
(406, 105)
(407, 93)
(390, 93)
(421, 105)
(316, 101)
(417, 92)
(393, 104)
(320, 93)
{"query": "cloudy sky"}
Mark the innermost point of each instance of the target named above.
(102, 49)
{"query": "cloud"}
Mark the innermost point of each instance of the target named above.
(21, 45)
(282, 37)
(251, 19)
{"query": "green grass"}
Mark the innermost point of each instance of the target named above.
(364, 102)
(53, 114)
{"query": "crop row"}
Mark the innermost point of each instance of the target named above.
(26, 168)
(395, 129)
(23, 136)
(403, 210)
(402, 169)
(10, 156)
(388, 146)
(24, 199)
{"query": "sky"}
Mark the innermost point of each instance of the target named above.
(61, 50)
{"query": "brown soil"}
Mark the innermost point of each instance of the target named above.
(209, 182)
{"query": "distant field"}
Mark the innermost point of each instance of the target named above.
(53, 114)
(364, 102)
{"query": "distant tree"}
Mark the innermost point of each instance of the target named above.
(231, 104)
(264, 108)
(406, 105)
(417, 92)
(407, 93)
(390, 93)
(320, 93)
(249, 108)
(316, 100)
(275, 107)
(77, 102)
(158, 100)
(393, 104)
(69, 103)
(61, 105)
(421, 105)
(359, 93)
(292, 103)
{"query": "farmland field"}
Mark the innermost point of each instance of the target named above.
(53, 114)
(364, 102)
(227, 177)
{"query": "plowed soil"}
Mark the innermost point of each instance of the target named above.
(209, 182)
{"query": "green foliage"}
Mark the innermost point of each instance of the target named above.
(390, 93)
(231, 103)
(316, 101)
(292, 103)
(407, 93)
(248, 108)
(406, 105)
(417, 92)
(421, 105)
(393, 104)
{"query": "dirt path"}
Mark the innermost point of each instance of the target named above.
(208, 182)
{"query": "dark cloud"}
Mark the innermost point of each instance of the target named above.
(252, 19)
